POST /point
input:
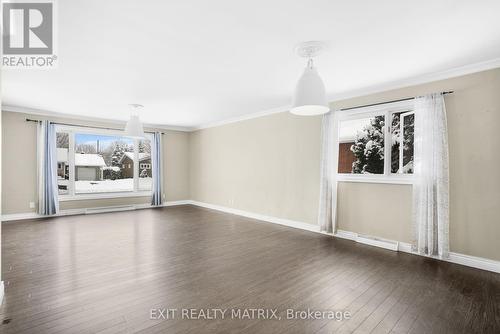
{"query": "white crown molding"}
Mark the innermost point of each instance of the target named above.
(46, 113)
(418, 80)
(383, 87)
(242, 118)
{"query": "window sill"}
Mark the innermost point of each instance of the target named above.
(399, 179)
(80, 197)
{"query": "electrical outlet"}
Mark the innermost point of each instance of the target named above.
(32, 205)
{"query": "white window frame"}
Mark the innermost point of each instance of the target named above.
(71, 195)
(401, 131)
(385, 110)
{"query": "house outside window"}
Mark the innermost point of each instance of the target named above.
(94, 163)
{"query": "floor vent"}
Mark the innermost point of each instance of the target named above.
(383, 243)
(109, 209)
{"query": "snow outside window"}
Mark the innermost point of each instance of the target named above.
(91, 162)
(376, 144)
(361, 145)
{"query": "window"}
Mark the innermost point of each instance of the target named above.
(376, 143)
(402, 128)
(93, 162)
(361, 145)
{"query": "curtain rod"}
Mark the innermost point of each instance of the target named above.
(387, 102)
(84, 126)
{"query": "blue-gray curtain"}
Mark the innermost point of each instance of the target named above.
(48, 203)
(156, 169)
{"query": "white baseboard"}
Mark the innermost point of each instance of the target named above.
(174, 203)
(458, 258)
(20, 216)
(404, 247)
(474, 261)
(71, 212)
(270, 219)
(466, 260)
(346, 235)
(368, 240)
(378, 242)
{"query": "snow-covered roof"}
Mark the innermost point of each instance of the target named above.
(130, 155)
(62, 155)
(88, 159)
(81, 159)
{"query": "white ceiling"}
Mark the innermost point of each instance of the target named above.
(193, 62)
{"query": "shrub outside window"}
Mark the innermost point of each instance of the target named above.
(96, 162)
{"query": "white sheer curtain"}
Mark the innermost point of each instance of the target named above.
(328, 171)
(431, 187)
(48, 203)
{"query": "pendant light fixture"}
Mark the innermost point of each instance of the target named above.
(134, 126)
(309, 98)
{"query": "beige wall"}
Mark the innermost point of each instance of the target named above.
(473, 113)
(19, 167)
(270, 166)
(266, 165)
(382, 210)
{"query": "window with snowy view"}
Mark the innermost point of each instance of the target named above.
(89, 163)
(365, 139)
(402, 128)
(361, 145)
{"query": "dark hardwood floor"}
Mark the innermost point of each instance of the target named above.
(104, 273)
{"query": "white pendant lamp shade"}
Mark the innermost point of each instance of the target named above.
(309, 98)
(134, 125)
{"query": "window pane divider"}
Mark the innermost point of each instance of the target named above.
(136, 165)
(387, 143)
(71, 161)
